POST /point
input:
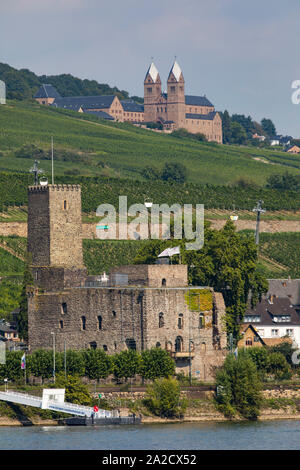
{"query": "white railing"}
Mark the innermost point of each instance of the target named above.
(70, 408)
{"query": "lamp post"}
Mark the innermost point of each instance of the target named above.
(52, 333)
(148, 205)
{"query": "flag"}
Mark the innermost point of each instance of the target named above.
(23, 362)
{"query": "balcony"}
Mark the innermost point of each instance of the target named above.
(183, 354)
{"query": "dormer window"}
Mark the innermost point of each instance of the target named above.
(252, 319)
(281, 318)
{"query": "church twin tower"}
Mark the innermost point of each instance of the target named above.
(158, 105)
(176, 110)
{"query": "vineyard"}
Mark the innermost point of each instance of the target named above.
(123, 150)
(284, 248)
(99, 190)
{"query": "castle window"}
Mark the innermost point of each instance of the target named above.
(83, 323)
(99, 322)
(105, 347)
(180, 321)
(61, 324)
(161, 321)
(158, 345)
(131, 343)
(64, 308)
(179, 344)
(201, 321)
(93, 345)
(114, 313)
(65, 205)
(164, 282)
(115, 344)
(203, 347)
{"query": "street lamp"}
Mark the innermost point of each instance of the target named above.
(52, 333)
(148, 205)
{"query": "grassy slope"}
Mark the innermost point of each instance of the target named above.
(126, 149)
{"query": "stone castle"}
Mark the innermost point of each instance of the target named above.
(172, 110)
(139, 307)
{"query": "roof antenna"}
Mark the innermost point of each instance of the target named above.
(52, 164)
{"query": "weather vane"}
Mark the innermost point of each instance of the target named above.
(36, 171)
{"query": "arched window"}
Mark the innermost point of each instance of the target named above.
(179, 344)
(158, 345)
(99, 322)
(169, 346)
(93, 345)
(164, 282)
(83, 323)
(180, 321)
(161, 321)
(201, 321)
(131, 343)
(64, 308)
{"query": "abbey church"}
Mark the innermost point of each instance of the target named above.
(175, 109)
(172, 110)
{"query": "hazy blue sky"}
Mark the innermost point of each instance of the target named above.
(243, 55)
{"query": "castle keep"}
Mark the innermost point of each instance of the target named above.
(140, 307)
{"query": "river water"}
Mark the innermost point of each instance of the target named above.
(283, 434)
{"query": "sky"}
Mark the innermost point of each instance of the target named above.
(244, 56)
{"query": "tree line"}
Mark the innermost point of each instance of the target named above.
(239, 129)
(95, 364)
(23, 84)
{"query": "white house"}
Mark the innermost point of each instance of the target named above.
(275, 318)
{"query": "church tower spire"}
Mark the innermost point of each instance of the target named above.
(152, 93)
(176, 96)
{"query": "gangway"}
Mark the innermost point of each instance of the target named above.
(54, 401)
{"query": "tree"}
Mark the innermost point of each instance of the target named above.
(126, 364)
(285, 182)
(76, 391)
(268, 127)
(156, 362)
(278, 366)
(22, 322)
(286, 349)
(164, 398)
(238, 387)
(40, 363)
(226, 121)
(174, 172)
(238, 134)
(98, 364)
(75, 362)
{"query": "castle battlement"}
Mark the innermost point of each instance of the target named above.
(54, 187)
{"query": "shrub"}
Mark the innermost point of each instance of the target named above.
(164, 398)
(238, 387)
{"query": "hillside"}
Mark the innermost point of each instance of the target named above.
(23, 84)
(119, 149)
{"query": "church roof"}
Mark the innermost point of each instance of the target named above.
(204, 117)
(131, 106)
(176, 70)
(85, 102)
(197, 101)
(47, 91)
(101, 115)
(153, 72)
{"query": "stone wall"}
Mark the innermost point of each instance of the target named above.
(117, 319)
